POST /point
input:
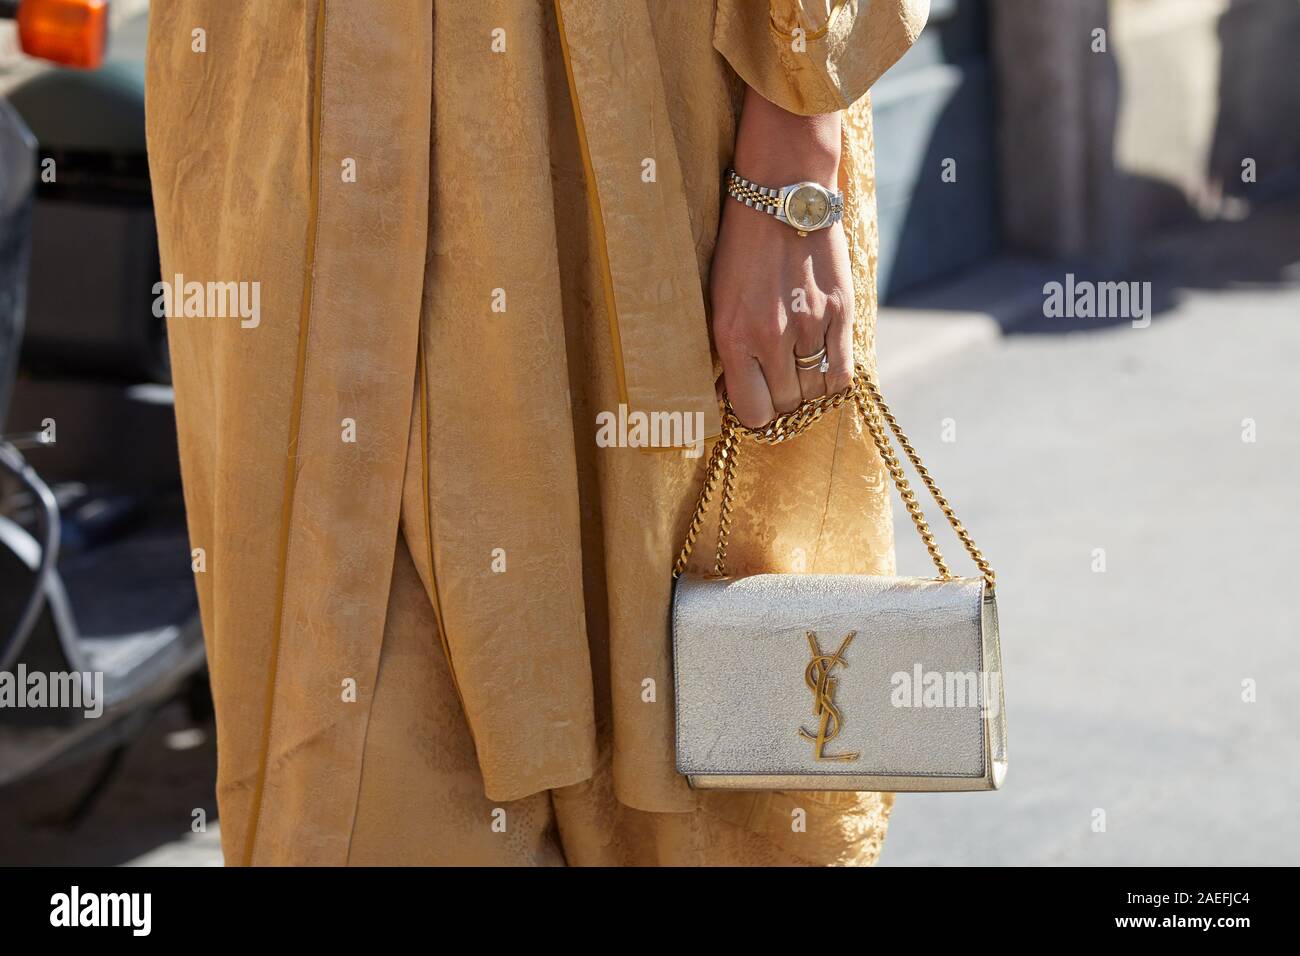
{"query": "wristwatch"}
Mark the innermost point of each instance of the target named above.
(804, 207)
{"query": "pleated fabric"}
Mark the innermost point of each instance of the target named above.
(429, 592)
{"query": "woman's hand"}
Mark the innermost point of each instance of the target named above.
(776, 293)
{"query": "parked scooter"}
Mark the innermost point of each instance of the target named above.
(99, 622)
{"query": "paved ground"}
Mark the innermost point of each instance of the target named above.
(1124, 688)
(145, 814)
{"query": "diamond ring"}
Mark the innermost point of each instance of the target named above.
(818, 361)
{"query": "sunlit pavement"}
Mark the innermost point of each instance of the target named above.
(1124, 687)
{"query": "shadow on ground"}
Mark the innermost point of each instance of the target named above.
(1258, 250)
(147, 810)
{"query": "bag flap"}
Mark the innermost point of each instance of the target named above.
(904, 696)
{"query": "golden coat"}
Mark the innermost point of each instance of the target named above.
(499, 270)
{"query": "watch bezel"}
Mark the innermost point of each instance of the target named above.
(788, 194)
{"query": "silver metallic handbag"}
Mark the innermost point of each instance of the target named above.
(830, 681)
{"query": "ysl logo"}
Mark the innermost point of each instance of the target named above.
(817, 675)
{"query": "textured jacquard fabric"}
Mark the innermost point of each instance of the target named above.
(422, 803)
(462, 263)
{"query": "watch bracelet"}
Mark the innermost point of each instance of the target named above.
(766, 198)
(762, 198)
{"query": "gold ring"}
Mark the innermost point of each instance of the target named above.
(808, 363)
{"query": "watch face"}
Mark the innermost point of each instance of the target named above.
(807, 207)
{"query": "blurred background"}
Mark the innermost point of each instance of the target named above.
(1132, 481)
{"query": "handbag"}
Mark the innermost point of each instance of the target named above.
(835, 681)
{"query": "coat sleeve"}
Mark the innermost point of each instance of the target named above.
(815, 56)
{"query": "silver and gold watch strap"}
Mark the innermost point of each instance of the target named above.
(763, 198)
(774, 200)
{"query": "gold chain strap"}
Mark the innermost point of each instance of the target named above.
(880, 421)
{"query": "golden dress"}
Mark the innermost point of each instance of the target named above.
(436, 610)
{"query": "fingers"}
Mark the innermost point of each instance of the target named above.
(839, 342)
(782, 377)
(760, 374)
(746, 388)
(810, 337)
